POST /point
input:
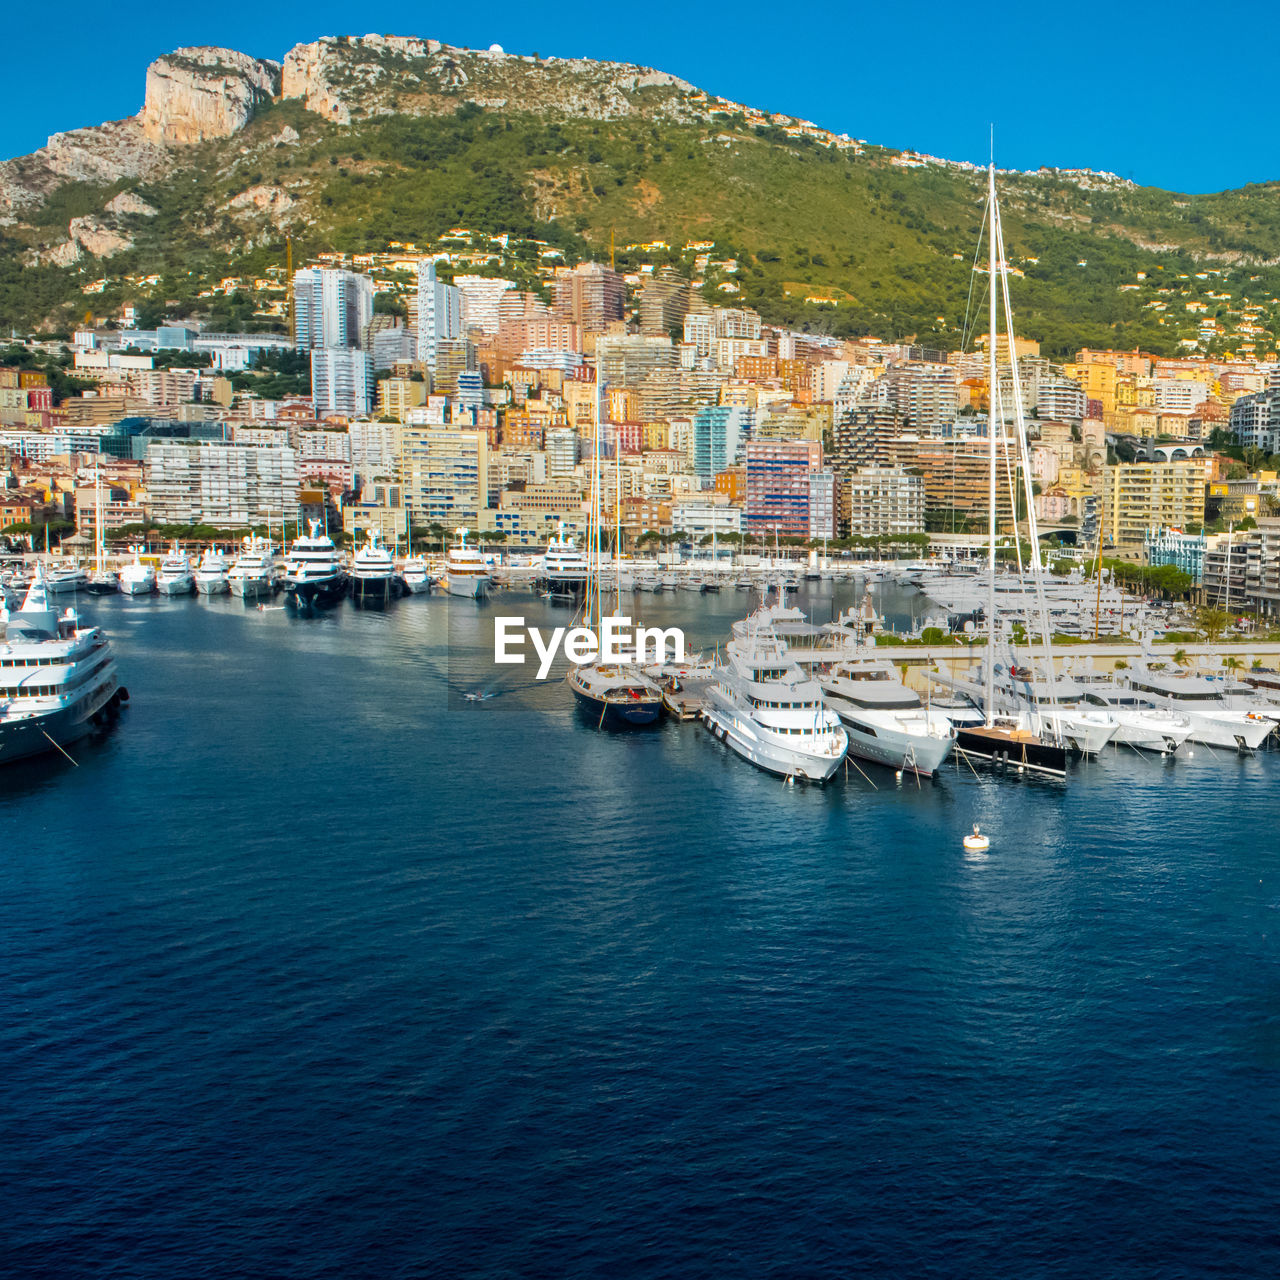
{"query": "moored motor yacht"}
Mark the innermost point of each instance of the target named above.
(137, 578)
(761, 705)
(564, 567)
(416, 576)
(466, 571)
(252, 573)
(1213, 721)
(886, 722)
(62, 579)
(313, 577)
(373, 573)
(58, 680)
(211, 573)
(175, 577)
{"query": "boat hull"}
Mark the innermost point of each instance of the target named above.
(374, 590)
(316, 595)
(1006, 750)
(766, 755)
(184, 586)
(212, 586)
(469, 586)
(916, 754)
(20, 739)
(136, 587)
(249, 588)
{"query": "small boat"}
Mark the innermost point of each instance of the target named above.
(416, 576)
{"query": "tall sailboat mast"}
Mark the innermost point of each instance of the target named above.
(993, 396)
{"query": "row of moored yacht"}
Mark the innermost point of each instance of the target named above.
(795, 700)
(312, 575)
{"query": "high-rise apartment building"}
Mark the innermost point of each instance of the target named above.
(439, 312)
(664, 302)
(881, 501)
(228, 486)
(718, 433)
(590, 296)
(778, 474)
(331, 308)
(341, 381)
(481, 300)
(445, 473)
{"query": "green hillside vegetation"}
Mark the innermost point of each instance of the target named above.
(878, 239)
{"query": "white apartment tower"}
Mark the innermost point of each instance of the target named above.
(330, 308)
(439, 312)
(341, 382)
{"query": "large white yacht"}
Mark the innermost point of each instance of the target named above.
(137, 578)
(313, 575)
(373, 572)
(252, 573)
(58, 680)
(211, 573)
(767, 710)
(887, 723)
(466, 570)
(1139, 722)
(564, 567)
(176, 577)
(1213, 721)
(63, 579)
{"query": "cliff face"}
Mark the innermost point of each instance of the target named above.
(197, 94)
(346, 77)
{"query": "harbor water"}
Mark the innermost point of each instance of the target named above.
(314, 967)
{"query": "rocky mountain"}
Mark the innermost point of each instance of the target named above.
(350, 142)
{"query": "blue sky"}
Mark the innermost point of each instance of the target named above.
(1166, 94)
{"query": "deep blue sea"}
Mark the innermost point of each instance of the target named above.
(315, 969)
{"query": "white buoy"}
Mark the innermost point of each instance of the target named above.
(977, 842)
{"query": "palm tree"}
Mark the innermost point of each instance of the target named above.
(1180, 657)
(1233, 664)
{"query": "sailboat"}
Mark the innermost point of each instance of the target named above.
(617, 695)
(1026, 741)
(102, 582)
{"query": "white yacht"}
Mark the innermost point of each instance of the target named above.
(252, 573)
(211, 573)
(1139, 722)
(313, 575)
(65, 578)
(1213, 721)
(887, 723)
(373, 573)
(466, 570)
(564, 567)
(416, 576)
(763, 707)
(137, 578)
(175, 577)
(58, 680)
